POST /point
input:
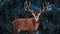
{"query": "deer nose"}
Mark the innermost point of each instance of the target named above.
(36, 17)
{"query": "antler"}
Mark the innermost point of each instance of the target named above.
(26, 6)
(44, 7)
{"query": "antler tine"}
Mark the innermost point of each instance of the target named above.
(26, 6)
(47, 3)
(29, 3)
(42, 10)
(45, 7)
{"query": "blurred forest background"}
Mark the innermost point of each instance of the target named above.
(13, 9)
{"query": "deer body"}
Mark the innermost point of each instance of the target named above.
(24, 24)
(30, 24)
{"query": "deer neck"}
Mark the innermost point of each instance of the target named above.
(35, 24)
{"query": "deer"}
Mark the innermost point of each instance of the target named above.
(30, 24)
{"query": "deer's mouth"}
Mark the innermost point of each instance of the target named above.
(36, 19)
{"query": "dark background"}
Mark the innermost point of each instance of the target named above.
(13, 9)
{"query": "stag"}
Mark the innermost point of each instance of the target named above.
(28, 24)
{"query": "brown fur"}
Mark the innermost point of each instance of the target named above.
(24, 24)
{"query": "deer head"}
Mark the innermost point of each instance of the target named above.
(35, 14)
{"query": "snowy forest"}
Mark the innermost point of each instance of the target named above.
(13, 9)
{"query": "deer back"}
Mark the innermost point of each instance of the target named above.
(23, 23)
